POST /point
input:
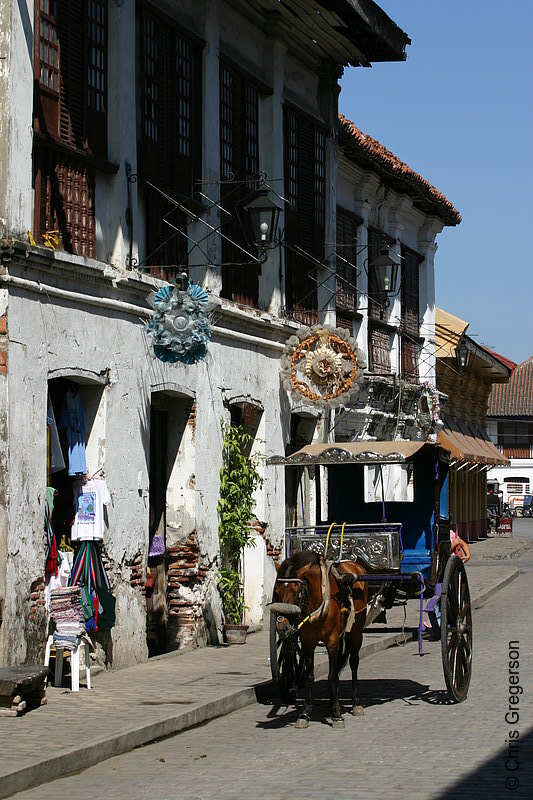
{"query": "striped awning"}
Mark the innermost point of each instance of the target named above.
(467, 442)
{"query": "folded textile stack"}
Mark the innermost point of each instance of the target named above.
(67, 615)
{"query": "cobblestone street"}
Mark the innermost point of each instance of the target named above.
(410, 743)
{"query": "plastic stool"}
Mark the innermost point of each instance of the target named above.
(74, 663)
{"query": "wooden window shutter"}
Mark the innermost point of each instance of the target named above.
(169, 114)
(64, 199)
(304, 158)
(239, 162)
(410, 317)
(409, 359)
(346, 246)
(46, 69)
(376, 301)
(319, 193)
(72, 34)
(170, 147)
(379, 351)
(97, 78)
(410, 291)
(70, 58)
(150, 96)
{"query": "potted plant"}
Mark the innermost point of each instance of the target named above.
(239, 478)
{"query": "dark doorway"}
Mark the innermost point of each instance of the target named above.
(156, 601)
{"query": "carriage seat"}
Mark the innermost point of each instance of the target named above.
(416, 561)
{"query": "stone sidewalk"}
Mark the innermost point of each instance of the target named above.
(173, 692)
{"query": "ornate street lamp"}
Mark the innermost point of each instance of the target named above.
(261, 216)
(462, 353)
(385, 269)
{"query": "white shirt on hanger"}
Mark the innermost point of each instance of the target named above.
(89, 501)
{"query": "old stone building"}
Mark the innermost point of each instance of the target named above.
(132, 137)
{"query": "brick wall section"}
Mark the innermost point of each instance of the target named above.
(37, 601)
(135, 566)
(274, 551)
(184, 570)
(192, 417)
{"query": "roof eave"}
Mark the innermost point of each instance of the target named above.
(383, 39)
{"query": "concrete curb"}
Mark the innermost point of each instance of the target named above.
(72, 760)
(76, 759)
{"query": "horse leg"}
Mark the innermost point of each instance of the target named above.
(357, 640)
(333, 680)
(305, 715)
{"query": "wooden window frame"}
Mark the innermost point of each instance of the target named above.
(69, 118)
(170, 135)
(346, 295)
(379, 349)
(410, 313)
(239, 170)
(305, 190)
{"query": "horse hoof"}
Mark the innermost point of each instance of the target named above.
(338, 723)
(358, 711)
(302, 722)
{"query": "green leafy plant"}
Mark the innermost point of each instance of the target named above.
(239, 477)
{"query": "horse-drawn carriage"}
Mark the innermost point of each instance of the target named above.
(390, 548)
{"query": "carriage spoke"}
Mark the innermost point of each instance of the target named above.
(456, 637)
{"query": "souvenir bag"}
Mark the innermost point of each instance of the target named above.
(83, 575)
(87, 605)
(157, 546)
(106, 601)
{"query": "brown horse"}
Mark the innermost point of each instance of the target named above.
(320, 600)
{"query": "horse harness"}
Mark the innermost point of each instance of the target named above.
(301, 600)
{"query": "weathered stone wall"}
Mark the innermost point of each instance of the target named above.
(93, 335)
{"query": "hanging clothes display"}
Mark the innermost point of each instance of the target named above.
(72, 420)
(55, 454)
(65, 560)
(50, 559)
(90, 497)
(88, 571)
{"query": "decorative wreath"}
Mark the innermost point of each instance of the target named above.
(428, 408)
(179, 327)
(322, 365)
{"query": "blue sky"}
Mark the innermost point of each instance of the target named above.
(459, 111)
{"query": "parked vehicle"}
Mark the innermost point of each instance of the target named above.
(408, 557)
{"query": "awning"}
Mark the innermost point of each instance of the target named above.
(467, 442)
(364, 452)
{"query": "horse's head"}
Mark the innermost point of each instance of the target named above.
(291, 595)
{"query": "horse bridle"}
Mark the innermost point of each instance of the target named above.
(293, 611)
(318, 613)
(302, 597)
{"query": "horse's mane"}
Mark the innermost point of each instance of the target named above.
(291, 566)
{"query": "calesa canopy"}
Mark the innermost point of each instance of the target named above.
(364, 452)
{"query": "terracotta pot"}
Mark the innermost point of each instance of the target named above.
(235, 634)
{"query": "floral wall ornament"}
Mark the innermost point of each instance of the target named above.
(323, 365)
(180, 328)
(428, 409)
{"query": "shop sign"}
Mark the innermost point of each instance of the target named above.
(505, 525)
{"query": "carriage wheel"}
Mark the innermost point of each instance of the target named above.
(286, 663)
(456, 630)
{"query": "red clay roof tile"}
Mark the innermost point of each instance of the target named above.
(359, 143)
(514, 399)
